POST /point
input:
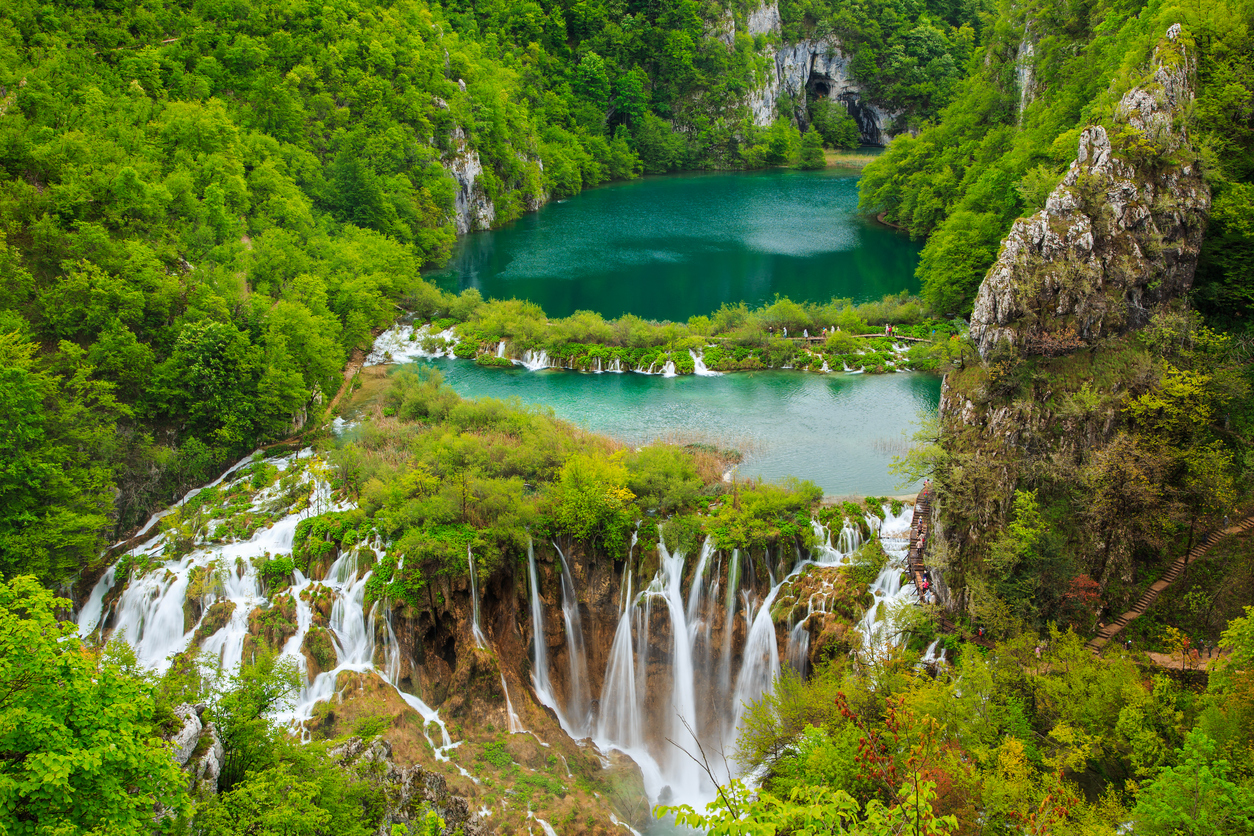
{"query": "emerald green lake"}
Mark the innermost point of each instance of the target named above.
(840, 431)
(676, 246)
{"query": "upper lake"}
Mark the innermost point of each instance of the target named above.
(681, 245)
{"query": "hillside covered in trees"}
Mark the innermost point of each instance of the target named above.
(205, 208)
(208, 208)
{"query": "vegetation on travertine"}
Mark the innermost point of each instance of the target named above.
(434, 475)
(1030, 737)
(733, 338)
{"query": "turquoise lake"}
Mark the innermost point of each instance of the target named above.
(671, 247)
(676, 246)
(840, 431)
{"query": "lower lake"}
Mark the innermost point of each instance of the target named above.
(840, 431)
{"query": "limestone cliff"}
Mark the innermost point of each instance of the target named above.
(472, 208)
(807, 69)
(1117, 238)
(1055, 324)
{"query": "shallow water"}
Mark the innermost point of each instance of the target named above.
(839, 431)
(682, 245)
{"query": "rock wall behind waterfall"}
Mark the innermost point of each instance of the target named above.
(804, 70)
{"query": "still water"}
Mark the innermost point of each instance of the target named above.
(839, 431)
(676, 246)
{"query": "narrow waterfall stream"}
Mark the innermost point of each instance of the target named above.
(662, 697)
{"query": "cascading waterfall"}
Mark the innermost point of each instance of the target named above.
(476, 631)
(512, 718)
(149, 613)
(887, 589)
(579, 704)
(619, 719)
(692, 690)
(540, 656)
(699, 367)
(534, 361)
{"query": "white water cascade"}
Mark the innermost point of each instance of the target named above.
(689, 686)
(579, 702)
(481, 641)
(151, 612)
(534, 361)
(640, 708)
(699, 368)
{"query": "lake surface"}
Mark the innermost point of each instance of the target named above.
(681, 245)
(840, 431)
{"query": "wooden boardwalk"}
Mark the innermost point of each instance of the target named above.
(812, 340)
(920, 524)
(1147, 600)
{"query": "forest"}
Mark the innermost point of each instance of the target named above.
(207, 209)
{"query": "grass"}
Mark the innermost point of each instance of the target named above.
(847, 159)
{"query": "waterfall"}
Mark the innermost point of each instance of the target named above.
(668, 368)
(683, 698)
(616, 366)
(579, 703)
(729, 620)
(534, 361)
(405, 343)
(699, 368)
(476, 631)
(619, 720)
(500, 349)
(688, 688)
(540, 658)
(887, 589)
(512, 718)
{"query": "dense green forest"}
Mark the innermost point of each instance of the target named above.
(205, 208)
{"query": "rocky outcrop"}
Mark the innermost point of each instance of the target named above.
(1115, 245)
(1117, 238)
(472, 208)
(409, 791)
(810, 69)
(197, 749)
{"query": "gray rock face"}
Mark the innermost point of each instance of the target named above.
(194, 735)
(1117, 238)
(764, 20)
(185, 739)
(410, 790)
(473, 209)
(810, 67)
